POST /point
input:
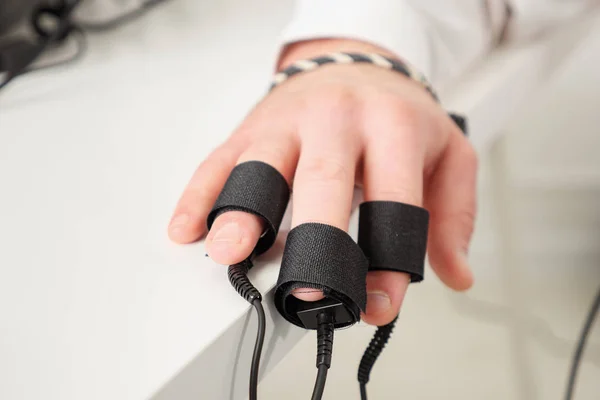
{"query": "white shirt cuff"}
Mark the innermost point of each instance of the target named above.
(392, 25)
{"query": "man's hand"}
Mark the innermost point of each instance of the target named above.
(327, 130)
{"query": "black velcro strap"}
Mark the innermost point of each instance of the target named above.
(393, 236)
(326, 258)
(257, 188)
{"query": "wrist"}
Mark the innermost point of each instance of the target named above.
(368, 54)
(313, 48)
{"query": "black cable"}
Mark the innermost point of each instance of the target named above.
(587, 327)
(376, 346)
(325, 328)
(320, 383)
(383, 334)
(363, 391)
(260, 339)
(238, 276)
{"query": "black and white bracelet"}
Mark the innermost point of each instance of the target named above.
(351, 58)
(372, 58)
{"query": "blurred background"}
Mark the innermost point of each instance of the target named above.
(536, 252)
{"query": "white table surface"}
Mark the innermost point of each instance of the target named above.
(95, 302)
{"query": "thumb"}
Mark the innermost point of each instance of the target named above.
(451, 200)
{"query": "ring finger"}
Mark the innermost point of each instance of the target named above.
(393, 172)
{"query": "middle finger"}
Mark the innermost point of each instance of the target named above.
(324, 180)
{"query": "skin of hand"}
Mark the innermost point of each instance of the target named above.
(328, 130)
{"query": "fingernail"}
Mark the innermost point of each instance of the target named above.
(178, 222)
(378, 302)
(228, 233)
(307, 294)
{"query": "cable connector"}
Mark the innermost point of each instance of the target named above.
(322, 316)
(308, 312)
(238, 276)
(325, 329)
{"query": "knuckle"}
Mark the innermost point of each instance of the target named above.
(271, 149)
(256, 123)
(222, 155)
(324, 169)
(265, 154)
(394, 118)
(396, 110)
(465, 219)
(246, 132)
(207, 163)
(334, 99)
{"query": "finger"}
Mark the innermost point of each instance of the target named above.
(234, 234)
(451, 199)
(324, 180)
(189, 218)
(393, 172)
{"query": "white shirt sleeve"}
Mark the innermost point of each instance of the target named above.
(441, 38)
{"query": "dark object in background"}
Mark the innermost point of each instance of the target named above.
(13, 12)
(31, 28)
(49, 25)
